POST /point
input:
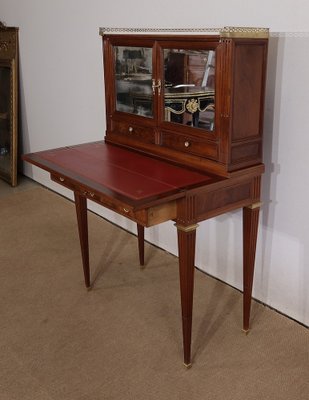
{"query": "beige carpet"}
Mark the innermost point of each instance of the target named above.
(122, 340)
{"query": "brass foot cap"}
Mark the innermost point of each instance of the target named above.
(187, 365)
(246, 331)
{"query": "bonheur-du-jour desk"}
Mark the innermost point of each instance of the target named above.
(136, 172)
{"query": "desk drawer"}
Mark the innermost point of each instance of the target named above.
(191, 145)
(63, 181)
(133, 131)
(147, 217)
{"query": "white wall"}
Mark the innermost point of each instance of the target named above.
(62, 104)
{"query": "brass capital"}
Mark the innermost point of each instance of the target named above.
(188, 228)
(255, 205)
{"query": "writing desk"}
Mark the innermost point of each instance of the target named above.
(149, 191)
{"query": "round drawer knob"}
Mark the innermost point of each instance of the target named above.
(187, 144)
(130, 129)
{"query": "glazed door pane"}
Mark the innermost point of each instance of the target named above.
(189, 87)
(133, 72)
(5, 121)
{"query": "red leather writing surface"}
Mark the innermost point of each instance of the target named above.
(126, 172)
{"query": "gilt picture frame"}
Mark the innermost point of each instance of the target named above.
(8, 104)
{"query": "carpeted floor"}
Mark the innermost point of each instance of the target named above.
(122, 339)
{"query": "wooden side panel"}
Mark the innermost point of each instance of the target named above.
(218, 201)
(246, 151)
(248, 90)
(227, 195)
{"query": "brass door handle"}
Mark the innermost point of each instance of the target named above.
(154, 86)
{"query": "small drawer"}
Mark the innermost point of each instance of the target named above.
(91, 195)
(62, 181)
(132, 131)
(190, 145)
(125, 210)
(149, 216)
(146, 217)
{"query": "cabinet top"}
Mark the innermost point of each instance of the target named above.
(229, 31)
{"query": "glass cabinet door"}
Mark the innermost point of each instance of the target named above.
(8, 104)
(134, 80)
(7, 134)
(189, 87)
(166, 83)
(5, 122)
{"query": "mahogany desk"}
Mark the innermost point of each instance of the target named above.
(150, 191)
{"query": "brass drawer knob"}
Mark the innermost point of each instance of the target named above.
(86, 193)
(126, 210)
(130, 129)
(61, 179)
(187, 144)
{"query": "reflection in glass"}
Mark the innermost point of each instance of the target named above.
(133, 70)
(189, 87)
(5, 139)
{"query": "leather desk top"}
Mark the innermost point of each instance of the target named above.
(119, 171)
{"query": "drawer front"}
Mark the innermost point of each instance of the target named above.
(127, 211)
(146, 217)
(149, 216)
(190, 145)
(62, 181)
(120, 208)
(133, 131)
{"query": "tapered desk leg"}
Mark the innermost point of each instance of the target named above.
(186, 250)
(250, 230)
(81, 213)
(141, 244)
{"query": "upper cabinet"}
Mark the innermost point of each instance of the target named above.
(195, 99)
